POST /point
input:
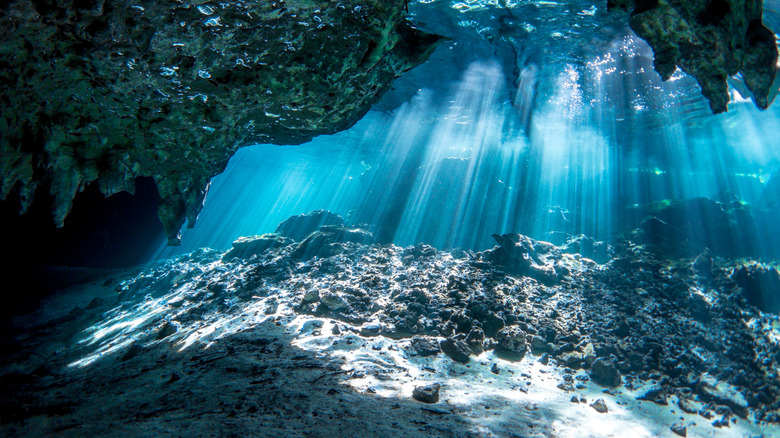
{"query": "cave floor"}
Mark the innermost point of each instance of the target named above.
(274, 346)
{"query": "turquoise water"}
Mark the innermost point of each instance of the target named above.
(535, 117)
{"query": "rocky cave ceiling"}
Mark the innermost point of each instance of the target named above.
(109, 90)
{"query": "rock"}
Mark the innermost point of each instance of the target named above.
(571, 360)
(686, 406)
(760, 285)
(246, 247)
(333, 300)
(519, 254)
(575, 399)
(544, 359)
(328, 240)
(427, 394)
(425, 346)
(511, 342)
(300, 226)
(166, 330)
(710, 388)
(655, 394)
(605, 373)
(538, 343)
(679, 429)
(494, 369)
(311, 296)
(710, 40)
(589, 247)
(475, 340)
(456, 349)
(600, 406)
(171, 90)
(622, 329)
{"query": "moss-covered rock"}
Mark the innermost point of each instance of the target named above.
(108, 90)
(710, 40)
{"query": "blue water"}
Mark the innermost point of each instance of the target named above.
(535, 117)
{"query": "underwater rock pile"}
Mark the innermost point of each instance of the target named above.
(110, 90)
(658, 328)
(710, 40)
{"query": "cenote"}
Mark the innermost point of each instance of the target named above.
(422, 218)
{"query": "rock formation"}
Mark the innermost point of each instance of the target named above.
(710, 40)
(109, 90)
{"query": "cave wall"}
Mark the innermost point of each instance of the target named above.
(108, 90)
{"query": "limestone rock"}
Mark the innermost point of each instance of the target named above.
(456, 349)
(300, 226)
(679, 429)
(522, 255)
(760, 285)
(604, 372)
(710, 388)
(511, 342)
(427, 394)
(246, 247)
(327, 241)
(600, 406)
(710, 40)
(425, 346)
(111, 90)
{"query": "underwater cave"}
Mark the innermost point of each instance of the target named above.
(418, 218)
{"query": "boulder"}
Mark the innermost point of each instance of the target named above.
(427, 393)
(458, 350)
(299, 226)
(328, 241)
(511, 342)
(246, 247)
(519, 254)
(605, 373)
(760, 286)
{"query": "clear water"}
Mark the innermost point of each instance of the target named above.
(535, 117)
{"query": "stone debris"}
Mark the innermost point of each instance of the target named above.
(679, 429)
(427, 393)
(600, 406)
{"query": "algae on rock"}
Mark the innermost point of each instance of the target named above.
(109, 90)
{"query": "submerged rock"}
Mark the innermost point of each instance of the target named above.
(605, 373)
(328, 240)
(710, 388)
(246, 247)
(111, 90)
(600, 406)
(710, 40)
(427, 394)
(760, 286)
(525, 256)
(300, 226)
(456, 349)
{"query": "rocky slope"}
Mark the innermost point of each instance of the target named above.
(666, 344)
(710, 40)
(109, 90)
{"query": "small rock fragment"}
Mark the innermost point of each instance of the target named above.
(425, 346)
(456, 349)
(679, 429)
(494, 369)
(427, 393)
(600, 406)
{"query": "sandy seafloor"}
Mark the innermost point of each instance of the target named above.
(139, 354)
